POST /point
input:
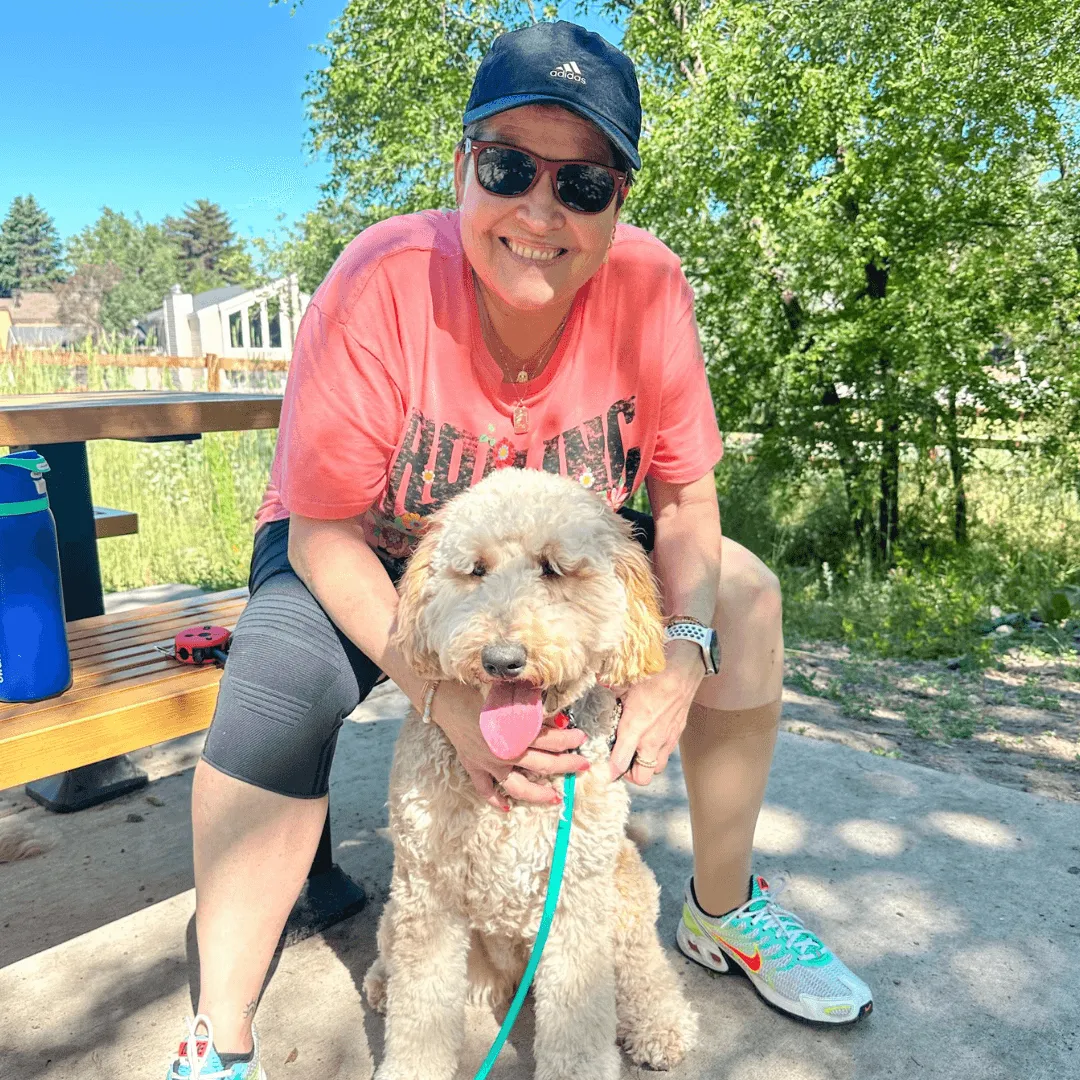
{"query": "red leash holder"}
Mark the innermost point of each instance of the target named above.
(201, 645)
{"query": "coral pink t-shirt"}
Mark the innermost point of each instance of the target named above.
(394, 404)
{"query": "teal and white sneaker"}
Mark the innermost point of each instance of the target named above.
(786, 964)
(198, 1060)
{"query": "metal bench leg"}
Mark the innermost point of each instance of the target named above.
(89, 785)
(329, 895)
(73, 507)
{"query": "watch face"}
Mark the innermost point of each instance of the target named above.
(714, 650)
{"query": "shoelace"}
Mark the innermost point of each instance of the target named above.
(195, 1062)
(782, 924)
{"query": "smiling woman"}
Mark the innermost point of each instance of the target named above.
(526, 329)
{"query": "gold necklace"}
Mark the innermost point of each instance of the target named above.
(521, 413)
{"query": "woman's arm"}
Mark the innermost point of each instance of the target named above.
(686, 555)
(686, 558)
(333, 560)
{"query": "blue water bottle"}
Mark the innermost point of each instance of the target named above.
(34, 658)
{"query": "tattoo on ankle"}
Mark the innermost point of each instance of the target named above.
(249, 1009)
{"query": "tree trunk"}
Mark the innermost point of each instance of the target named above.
(888, 524)
(889, 499)
(956, 463)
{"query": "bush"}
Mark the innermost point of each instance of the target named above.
(918, 612)
(1023, 556)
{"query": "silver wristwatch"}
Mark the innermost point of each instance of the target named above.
(682, 627)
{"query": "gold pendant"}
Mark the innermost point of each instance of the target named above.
(521, 420)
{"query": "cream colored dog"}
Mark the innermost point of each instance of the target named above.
(530, 589)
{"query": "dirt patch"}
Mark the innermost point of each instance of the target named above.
(1015, 724)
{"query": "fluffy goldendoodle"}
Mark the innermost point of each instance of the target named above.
(530, 589)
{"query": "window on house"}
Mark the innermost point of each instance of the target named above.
(273, 314)
(236, 329)
(255, 327)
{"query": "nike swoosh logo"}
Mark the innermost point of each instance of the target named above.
(752, 962)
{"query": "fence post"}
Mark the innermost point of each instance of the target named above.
(213, 372)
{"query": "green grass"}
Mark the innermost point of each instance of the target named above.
(196, 505)
(1024, 528)
(1035, 697)
(196, 502)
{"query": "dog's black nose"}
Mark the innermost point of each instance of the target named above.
(503, 661)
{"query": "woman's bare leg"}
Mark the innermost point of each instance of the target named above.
(728, 743)
(253, 849)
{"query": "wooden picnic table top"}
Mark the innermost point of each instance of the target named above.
(28, 419)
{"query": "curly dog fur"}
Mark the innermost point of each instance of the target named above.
(560, 576)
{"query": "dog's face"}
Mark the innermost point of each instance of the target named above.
(529, 588)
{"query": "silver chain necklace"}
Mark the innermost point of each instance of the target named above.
(521, 412)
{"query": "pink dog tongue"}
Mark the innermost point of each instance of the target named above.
(511, 718)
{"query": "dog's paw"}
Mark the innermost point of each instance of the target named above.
(375, 985)
(661, 1042)
(605, 1066)
(393, 1069)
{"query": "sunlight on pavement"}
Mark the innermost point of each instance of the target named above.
(872, 837)
(972, 829)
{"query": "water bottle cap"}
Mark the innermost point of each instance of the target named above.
(22, 491)
(26, 459)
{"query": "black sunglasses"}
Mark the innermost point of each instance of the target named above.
(581, 186)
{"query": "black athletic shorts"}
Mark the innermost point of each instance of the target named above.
(292, 676)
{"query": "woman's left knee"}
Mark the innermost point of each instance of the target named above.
(748, 587)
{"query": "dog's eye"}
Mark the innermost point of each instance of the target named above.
(547, 570)
(479, 569)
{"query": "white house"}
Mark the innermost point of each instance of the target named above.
(251, 324)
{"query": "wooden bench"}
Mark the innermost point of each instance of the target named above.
(127, 694)
(110, 522)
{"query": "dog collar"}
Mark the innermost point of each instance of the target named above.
(566, 716)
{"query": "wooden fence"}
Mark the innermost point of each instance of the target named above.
(211, 363)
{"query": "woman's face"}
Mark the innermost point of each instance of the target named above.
(532, 252)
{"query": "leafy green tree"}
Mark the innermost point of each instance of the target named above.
(861, 201)
(82, 298)
(871, 207)
(210, 253)
(29, 248)
(145, 264)
(309, 247)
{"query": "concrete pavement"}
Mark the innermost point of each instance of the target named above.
(952, 897)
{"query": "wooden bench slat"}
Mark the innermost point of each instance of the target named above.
(161, 631)
(109, 658)
(140, 616)
(124, 670)
(65, 711)
(109, 522)
(87, 698)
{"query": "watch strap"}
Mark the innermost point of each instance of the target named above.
(687, 629)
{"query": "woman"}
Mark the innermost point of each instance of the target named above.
(526, 329)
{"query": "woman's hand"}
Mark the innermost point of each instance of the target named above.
(654, 714)
(456, 709)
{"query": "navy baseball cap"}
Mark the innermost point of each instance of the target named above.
(561, 63)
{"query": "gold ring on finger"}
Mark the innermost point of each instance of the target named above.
(645, 763)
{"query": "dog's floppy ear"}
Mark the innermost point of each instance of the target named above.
(409, 633)
(642, 649)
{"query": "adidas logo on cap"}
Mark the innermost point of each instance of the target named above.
(570, 71)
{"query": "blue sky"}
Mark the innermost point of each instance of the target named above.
(145, 105)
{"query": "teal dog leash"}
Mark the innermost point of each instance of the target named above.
(558, 863)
